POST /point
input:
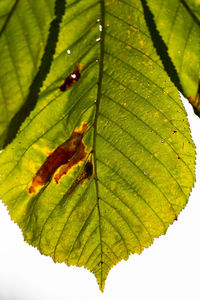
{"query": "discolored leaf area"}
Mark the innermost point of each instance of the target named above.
(129, 168)
(178, 23)
(24, 29)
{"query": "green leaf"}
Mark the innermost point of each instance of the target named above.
(129, 157)
(24, 27)
(5, 12)
(178, 23)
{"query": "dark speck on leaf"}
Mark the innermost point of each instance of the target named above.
(71, 79)
(88, 169)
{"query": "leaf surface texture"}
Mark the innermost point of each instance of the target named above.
(179, 25)
(24, 27)
(137, 142)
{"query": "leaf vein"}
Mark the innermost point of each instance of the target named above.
(97, 265)
(92, 253)
(9, 15)
(134, 48)
(140, 196)
(147, 150)
(145, 99)
(111, 250)
(140, 170)
(173, 23)
(49, 129)
(37, 22)
(119, 233)
(185, 46)
(130, 208)
(14, 66)
(82, 12)
(132, 6)
(86, 242)
(80, 232)
(124, 219)
(63, 229)
(101, 65)
(144, 76)
(26, 40)
(128, 24)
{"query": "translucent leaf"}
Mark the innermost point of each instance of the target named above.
(24, 27)
(179, 25)
(105, 161)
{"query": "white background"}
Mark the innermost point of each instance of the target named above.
(168, 270)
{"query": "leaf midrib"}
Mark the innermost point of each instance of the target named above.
(101, 65)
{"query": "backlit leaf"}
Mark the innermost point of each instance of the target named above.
(179, 25)
(24, 28)
(128, 155)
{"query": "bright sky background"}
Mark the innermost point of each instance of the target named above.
(168, 270)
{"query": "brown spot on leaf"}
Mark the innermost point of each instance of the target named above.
(196, 101)
(88, 170)
(71, 78)
(85, 175)
(68, 154)
(174, 131)
(78, 156)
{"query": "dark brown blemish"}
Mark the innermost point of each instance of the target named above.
(84, 176)
(179, 157)
(174, 131)
(100, 263)
(71, 78)
(88, 169)
(196, 101)
(69, 153)
(78, 156)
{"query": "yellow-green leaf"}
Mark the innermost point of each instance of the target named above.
(178, 22)
(130, 157)
(24, 29)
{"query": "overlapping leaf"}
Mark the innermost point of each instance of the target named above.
(24, 28)
(138, 142)
(179, 25)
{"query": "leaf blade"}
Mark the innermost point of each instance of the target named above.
(23, 38)
(143, 154)
(178, 24)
